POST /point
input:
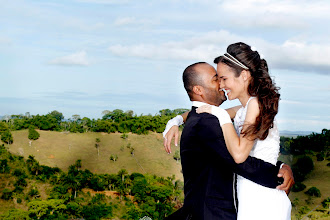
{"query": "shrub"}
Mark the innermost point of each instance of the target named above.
(7, 137)
(33, 134)
(297, 187)
(4, 168)
(33, 192)
(19, 173)
(326, 202)
(302, 167)
(320, 156)
(313, 191)
(7, 194)
(19, 200)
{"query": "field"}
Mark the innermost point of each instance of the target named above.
(63, 149)
(59, 149)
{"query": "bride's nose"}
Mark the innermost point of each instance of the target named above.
(221, 83)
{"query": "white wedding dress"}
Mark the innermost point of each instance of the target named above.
(256, 202)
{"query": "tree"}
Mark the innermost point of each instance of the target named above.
(47, 209)
(97, 145)
(313, 191)
(302, 167)
(105, 112)
(57, 115)
(14, 214)
(35, 168)
(33, 134)
(3, 127)
(78, 164)
(124, 136)
(73, 183)
(7, 137)
(132, 151)
(326, 203)
(176, 156)
(4, 168)
(122, 173)
(114, 158)
(75, 117)
(7, 194)
(34, 192)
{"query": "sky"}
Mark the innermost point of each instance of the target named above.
(86, 56)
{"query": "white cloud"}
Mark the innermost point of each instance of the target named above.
(290, 54)
(291, 102)
(82, 25)
(5, 40)
(126, 21)
(75, 59)
(280, 7)
(277, 14)
(302, 124)
(111, 2)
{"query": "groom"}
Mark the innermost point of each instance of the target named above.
(208, 168)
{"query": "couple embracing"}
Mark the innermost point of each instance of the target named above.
(231, 171)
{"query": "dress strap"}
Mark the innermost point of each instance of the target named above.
(252, 97)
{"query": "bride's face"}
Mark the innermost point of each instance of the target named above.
(233, 85)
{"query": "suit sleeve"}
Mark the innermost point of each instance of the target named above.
(254, 169)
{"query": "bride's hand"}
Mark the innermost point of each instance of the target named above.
(204, 109)
(220, 113)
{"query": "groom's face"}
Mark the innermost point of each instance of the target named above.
(212, 94)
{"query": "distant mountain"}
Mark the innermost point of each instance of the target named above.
(295, 133)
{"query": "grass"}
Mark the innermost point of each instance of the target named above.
(63, 149)
(59, 149)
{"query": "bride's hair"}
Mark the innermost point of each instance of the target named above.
(260, 86)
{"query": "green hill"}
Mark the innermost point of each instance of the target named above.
(303, 204)
(61, 149)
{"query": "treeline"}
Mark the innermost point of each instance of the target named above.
(304, 148)
(137, 195)
(314, 142)
(112, 121)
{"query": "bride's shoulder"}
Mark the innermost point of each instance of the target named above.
(253, 107)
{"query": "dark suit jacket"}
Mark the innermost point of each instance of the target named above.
(208, 170)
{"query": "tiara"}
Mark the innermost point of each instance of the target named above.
(234, 60)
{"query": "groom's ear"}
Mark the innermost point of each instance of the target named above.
(198, 90)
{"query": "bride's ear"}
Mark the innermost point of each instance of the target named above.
(245, 75)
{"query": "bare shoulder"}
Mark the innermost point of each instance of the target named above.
(252, 109)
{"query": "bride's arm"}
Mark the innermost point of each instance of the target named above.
(172, 127)
(238, 147)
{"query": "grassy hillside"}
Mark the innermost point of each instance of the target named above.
(320, 178)
(63, 149)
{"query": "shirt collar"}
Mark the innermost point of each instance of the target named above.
(198, 103)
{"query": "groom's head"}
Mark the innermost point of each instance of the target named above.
(201, 82)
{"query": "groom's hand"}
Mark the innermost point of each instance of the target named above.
(173, 132)
(287, 175)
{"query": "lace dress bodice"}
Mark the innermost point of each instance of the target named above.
(267, 149)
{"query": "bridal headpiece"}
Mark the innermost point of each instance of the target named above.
(234, 60)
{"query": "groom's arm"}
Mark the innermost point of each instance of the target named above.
(254, 169)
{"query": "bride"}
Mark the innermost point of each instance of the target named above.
(244, 76)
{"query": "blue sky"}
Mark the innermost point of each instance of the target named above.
(86, 56)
